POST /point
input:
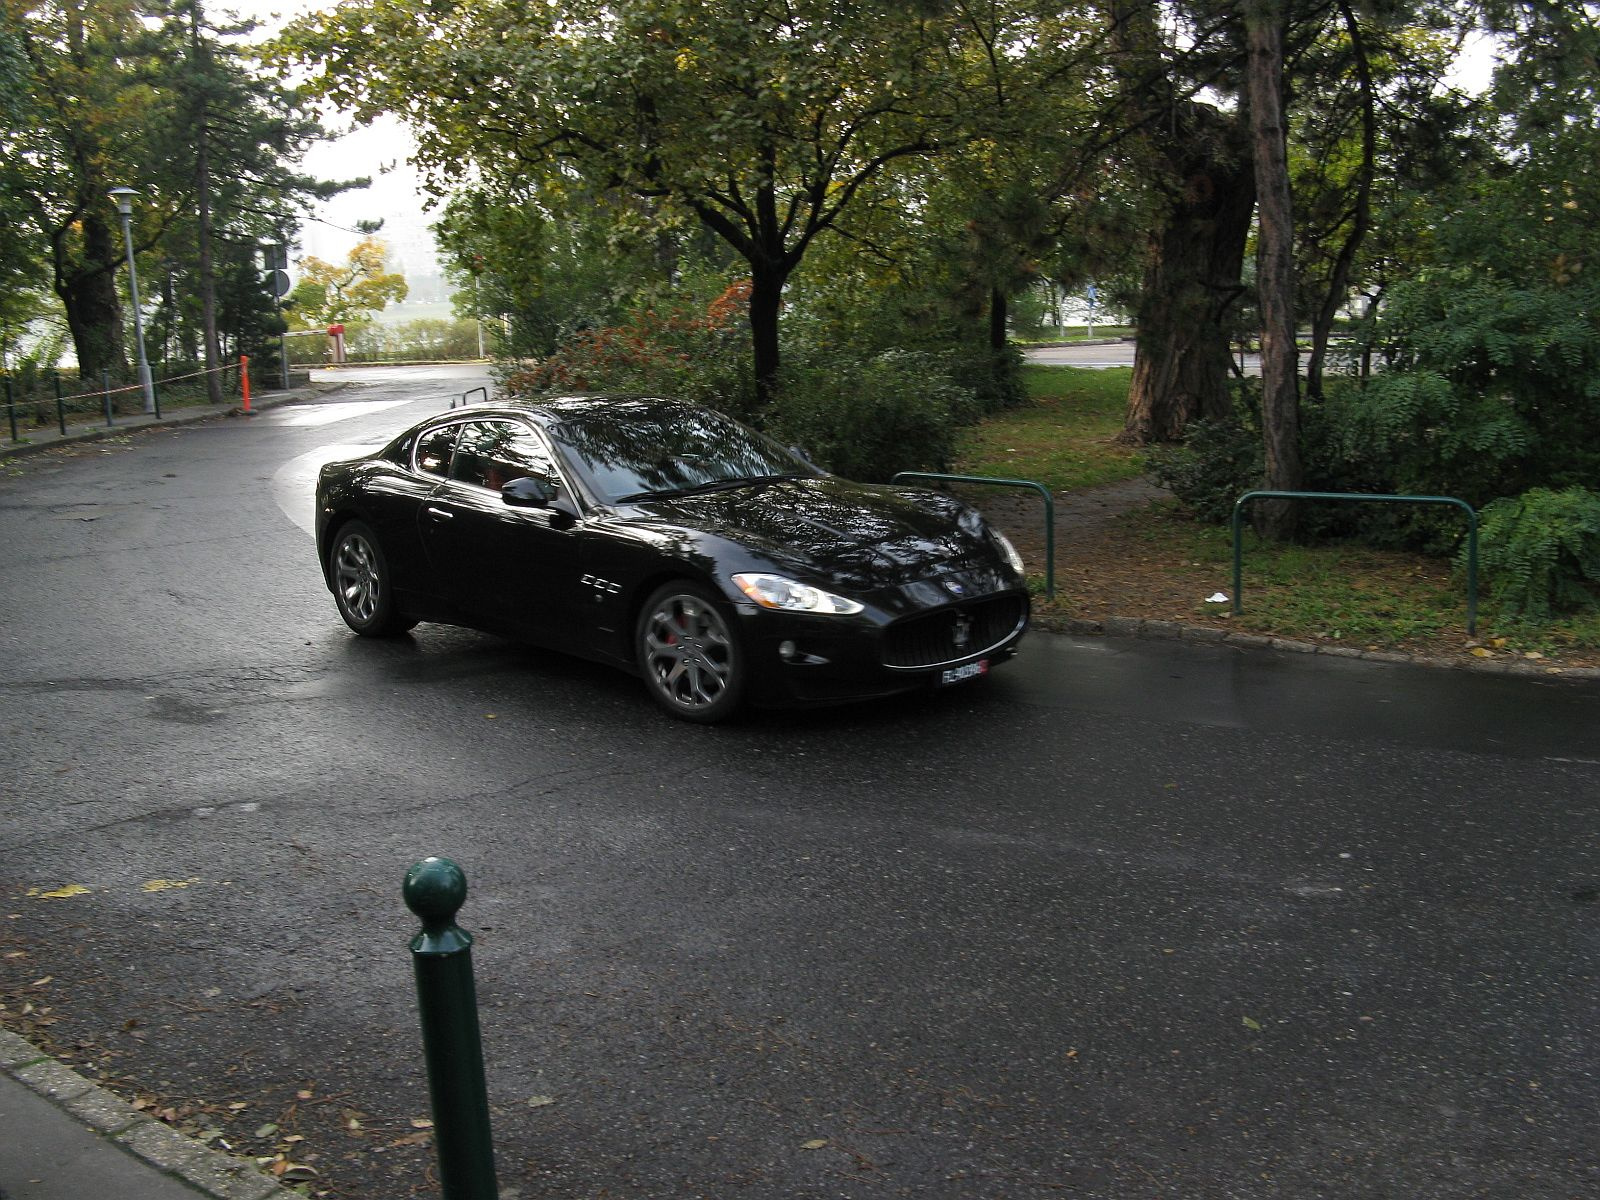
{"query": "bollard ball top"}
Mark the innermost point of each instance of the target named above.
(435, 889)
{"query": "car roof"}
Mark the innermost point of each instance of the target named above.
(574, 408)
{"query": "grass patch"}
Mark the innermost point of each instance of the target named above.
(1064, 437)
(1341, 592)
(1051, 336)
(1158, 563)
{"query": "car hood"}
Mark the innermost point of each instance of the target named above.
(858, 536)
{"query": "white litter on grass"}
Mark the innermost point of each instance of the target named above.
(1216, 598)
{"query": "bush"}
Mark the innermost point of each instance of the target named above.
(1488, 387)
(427, 339)
(1221, 460)
(896, 411)
(1430, 436)
(702, 357)
(1218, 462)
(1540, 552)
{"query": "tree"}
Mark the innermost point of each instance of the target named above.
(22, 273)
(345, 293)
(553, 274)
(236, 142)
(1280, 355)
(1197, 159)
(81, 131)
(122, 92)
(761, 122)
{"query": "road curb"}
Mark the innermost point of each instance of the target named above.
(158, 1146)
(1138, 627)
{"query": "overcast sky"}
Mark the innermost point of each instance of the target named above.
(379, 151)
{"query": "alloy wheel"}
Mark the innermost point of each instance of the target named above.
(689, 655)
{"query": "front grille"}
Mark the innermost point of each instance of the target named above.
(951, 634)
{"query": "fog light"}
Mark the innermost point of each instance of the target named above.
(787, 650)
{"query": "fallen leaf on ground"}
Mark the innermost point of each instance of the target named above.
(60, 893)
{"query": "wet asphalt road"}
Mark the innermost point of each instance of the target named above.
(1128, 919)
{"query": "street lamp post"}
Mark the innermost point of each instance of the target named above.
(123, 196)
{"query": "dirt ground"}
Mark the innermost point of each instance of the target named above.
(1105, 569)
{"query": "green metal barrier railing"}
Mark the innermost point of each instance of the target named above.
(1049, 513)
(1472, 536)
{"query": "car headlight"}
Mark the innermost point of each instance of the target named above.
(1009, 551)
(774, 591)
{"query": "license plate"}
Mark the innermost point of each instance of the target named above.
(959, 674)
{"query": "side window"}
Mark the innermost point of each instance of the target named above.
(433, 450)
(493, 453)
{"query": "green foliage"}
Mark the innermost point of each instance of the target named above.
(1491, 388)
(347, 292)
(867, 419)
(427, 339)
(1432, 438)
(674, 352)
(761, 123)
(511, 256)
(1216, 464)
(118, 92)
(846, 307)
(1540, 552)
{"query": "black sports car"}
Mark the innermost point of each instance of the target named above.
(673, 542)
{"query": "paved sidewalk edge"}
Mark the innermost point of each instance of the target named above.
(48, 438)
(1137, 627)
(164, 1149)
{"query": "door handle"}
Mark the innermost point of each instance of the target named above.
(440, 512)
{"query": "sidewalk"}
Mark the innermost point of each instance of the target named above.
(48, 437)
(66, 1139)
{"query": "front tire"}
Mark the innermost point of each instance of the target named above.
(362, 585)
(689, 654)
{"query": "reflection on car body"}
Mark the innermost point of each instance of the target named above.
(671, 541)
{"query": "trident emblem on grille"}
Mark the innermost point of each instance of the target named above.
(963, 631)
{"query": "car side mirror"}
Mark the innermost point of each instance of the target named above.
(528, 492)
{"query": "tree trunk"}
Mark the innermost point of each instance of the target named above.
(86, 284)
(766, 302)
(1280, 359)
(997, 320)
(1181, 359)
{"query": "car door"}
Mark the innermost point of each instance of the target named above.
(509, 568)
(393, 505)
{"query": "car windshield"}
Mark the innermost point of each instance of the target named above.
(634, 450)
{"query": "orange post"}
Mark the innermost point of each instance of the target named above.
(244, 379)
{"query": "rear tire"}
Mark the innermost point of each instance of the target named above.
(689, 654)
(362, 585)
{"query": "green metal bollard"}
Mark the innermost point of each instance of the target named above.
(11, 409)
(61, 412)
(447, 1003)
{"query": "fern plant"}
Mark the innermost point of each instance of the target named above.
(1540, 552)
